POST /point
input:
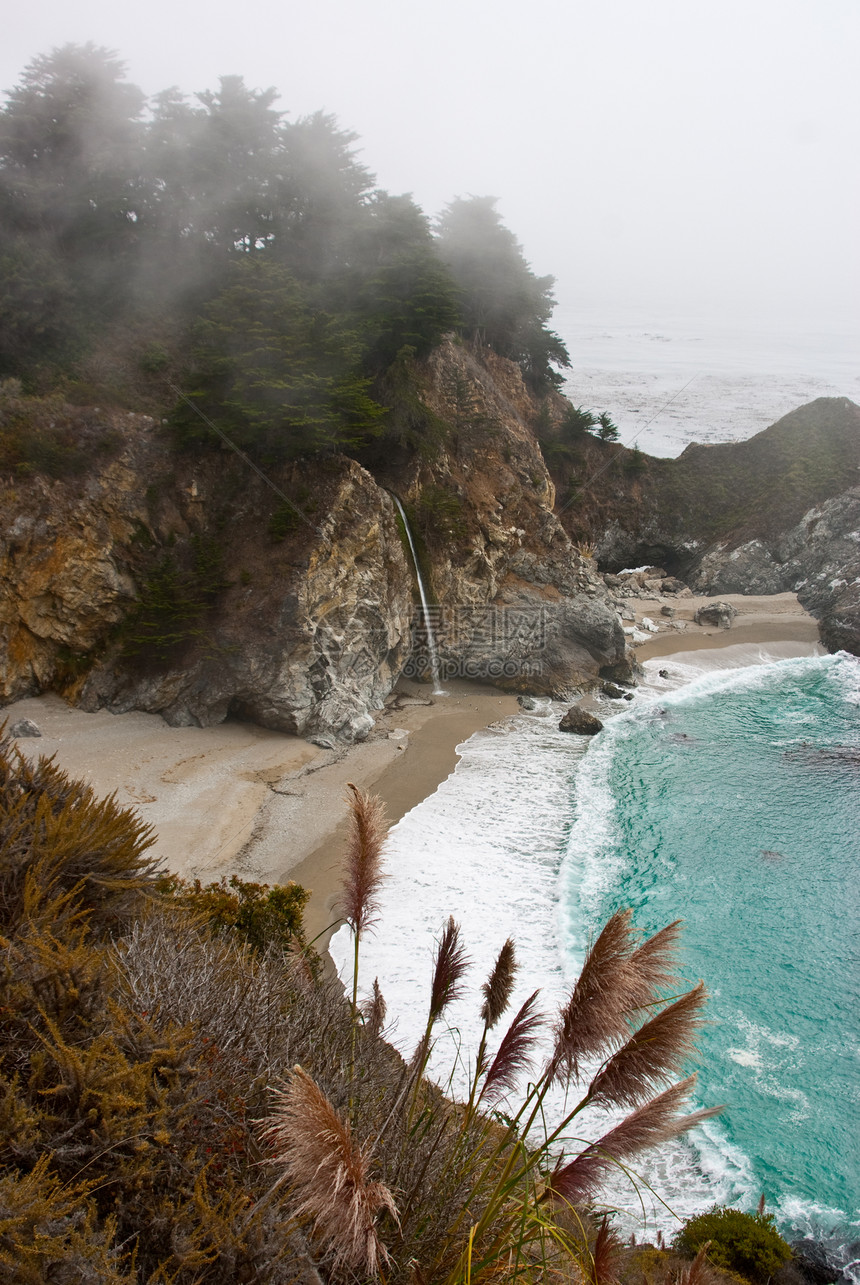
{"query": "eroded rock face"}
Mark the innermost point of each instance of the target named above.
(307, 636)
(310, 650)
(517, 604)
(64, 583)
(818, 559)
(740, 517)
(102, 595)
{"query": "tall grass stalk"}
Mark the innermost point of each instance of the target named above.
(619, 980)
(482, 1196)
(363, 879)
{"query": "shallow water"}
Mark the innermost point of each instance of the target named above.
(733, 803)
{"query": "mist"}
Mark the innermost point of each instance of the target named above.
(695, 158)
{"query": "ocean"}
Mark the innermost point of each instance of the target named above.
(668, 379)
(725, 795)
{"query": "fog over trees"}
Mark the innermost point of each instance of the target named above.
(250, 259)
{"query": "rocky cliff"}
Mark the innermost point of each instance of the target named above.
(516, 602)
(778, 512)
(160, 583)
(185, 585)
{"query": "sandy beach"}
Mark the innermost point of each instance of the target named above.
(239, 799)
(760, 620)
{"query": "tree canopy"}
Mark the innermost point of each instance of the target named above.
(282, 378)
(504, 304)
(251, 253)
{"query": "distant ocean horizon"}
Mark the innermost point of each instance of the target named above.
(669, 379)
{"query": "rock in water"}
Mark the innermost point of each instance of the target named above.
(25, 727)
(614, 693)
(581, 722)
(813, 1264)
(716, 613)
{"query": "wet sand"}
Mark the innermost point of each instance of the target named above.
(760, 620)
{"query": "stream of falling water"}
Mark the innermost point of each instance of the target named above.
(428, 623)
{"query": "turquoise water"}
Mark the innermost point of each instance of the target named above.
(733, 803)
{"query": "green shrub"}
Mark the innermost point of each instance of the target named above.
(65, 853)
(748, 1244)
(49, 1232)
(635, 462)
(264, 916)
(440, 513)
(153, 359)
(41, 435)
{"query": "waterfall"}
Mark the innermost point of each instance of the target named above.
(428, 623)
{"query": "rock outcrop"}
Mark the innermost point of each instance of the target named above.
(104, 594)
(777, 513)
(718, 613)
(516, 604)
(818, 559)
(580, 721)
(183, 585)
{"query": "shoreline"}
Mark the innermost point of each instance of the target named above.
(237, 799)
(269, 807)
(760, 619)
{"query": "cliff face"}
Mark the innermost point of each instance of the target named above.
(779, 512)
(516, 602)
(818, 559)
(185, 586)
(156, 585)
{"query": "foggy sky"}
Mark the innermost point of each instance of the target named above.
(686, 155)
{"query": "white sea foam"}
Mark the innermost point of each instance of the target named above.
(746, 1057)
(486, 848)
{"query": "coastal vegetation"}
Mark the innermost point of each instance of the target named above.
(186, 1097)
(747, 1244)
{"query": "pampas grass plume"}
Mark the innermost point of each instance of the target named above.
(450, 963)
(699, 1272)
(652, 1124)
(653, 965)
(652, 1055)
(606, 1255)
(514, 1052)
(594, 1016)
(364, 865)
(330, 1174)
(499, 986)
(373, 1010)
